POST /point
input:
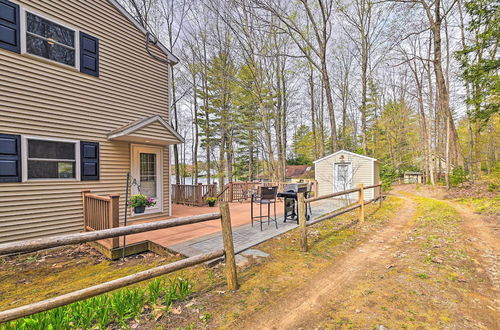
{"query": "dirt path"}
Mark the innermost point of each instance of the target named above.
(398, 245)
(303, 308)
(485, 242)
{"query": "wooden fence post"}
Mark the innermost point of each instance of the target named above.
(84, 192)
(301, 205)
(361, 200)
(380, 194)
(231, 192)
(114, 217)
(199, 192)
(227, 237)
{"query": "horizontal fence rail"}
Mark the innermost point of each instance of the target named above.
(360, 205)
(56, 241)
(45, 243)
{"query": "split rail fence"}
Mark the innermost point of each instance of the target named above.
(360, 205)
(100, 218)
(57, 241)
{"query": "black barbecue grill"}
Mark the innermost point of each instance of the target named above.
(289, 195)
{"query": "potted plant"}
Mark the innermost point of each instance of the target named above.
(139, 202)
(211, 201)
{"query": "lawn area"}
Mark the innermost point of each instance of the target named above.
(31, 278)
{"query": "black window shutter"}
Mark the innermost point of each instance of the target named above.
(10, 26)
(89, 54)
(89, 155)
(10, 158)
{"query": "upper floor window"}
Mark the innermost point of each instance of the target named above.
(50, 40)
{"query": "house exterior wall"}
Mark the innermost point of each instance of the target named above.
(44, 99)
(361, 173)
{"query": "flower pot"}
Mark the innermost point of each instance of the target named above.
(211, 204)
(139, 209)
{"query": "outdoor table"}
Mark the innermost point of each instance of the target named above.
(290, 206)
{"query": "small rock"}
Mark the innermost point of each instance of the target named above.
(176, 310)
(357, 311)
(437, 261)
(381, 327)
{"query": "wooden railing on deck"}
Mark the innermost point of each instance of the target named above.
(101, 212)
(242, 190)
(193, 194)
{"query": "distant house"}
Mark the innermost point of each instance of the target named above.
(344, 170)
(298, 172)
(82, 102)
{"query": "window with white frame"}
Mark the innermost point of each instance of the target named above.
(50, 40)
(51, 159)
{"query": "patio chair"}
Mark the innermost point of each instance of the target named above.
(264, 196)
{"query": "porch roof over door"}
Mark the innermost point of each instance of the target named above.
(150, 130)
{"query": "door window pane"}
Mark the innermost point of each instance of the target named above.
(148, 174)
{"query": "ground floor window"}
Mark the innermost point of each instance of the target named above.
(51, 159)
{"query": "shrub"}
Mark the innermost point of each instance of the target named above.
(457, 176)
(388, 175)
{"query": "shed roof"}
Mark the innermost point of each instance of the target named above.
(347, 152)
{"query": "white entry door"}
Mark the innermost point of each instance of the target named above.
(147, 171)
(342, 177)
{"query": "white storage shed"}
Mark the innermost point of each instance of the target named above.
(345, 170)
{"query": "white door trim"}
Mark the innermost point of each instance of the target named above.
(135, 150)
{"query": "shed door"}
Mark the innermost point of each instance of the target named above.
(342, 176)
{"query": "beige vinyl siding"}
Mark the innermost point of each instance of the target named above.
(44, 99)
(154, 130)
(361, 173)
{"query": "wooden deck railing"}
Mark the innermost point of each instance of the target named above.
(101, 212)
(57, 241)
(242, 190)
(193, 194)
(360, 204)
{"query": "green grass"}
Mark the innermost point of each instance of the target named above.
(116, 308)
(483, 205)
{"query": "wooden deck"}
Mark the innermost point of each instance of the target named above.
(163, 238)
